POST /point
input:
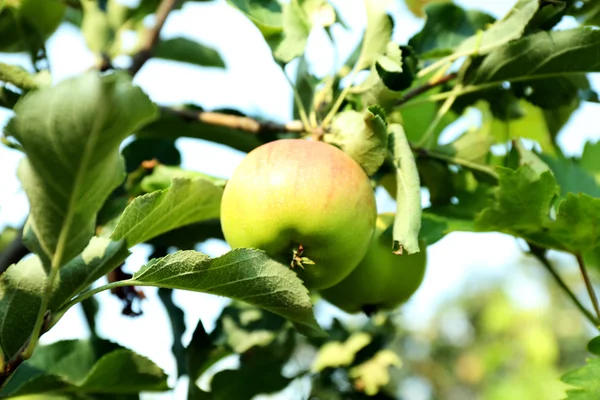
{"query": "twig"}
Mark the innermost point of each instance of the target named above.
(539, 253)
(246, 124)
(588, 285)
(455, 160)
(145, 53)
(422, 89)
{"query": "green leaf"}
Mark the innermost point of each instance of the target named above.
(509, 28)
(571, 177)
(590, 159)
(22, 286)
(185, 202)
(336, 354)
(96, 28)
(306, 84)
(243, 274)
(447, 25)
(533, 160)
(363, 136)
(585, 379)
(162, 176)
(377, 34)
(202, 353)
(417, 6)
(594, 346)
(522, 209)
(588, 13)
(285, 27)
(123, 371)
(86, 367)
(259, 372)
(144, 149)
(407, 222)
(531, 124)
(555, 92)
(7, 236)
(541, 55)
(374, 374)
(473, 145)
(187, 51)
(71, 134)
(177, 319)
(398, 67)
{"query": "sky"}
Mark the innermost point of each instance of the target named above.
(253, 84)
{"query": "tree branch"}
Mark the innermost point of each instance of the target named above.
(246, 124)
(588, 285)
(411, 94)
(152, 36)
(540, 254)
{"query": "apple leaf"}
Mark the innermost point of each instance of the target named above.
(162, 176)
(377, 34)
(398, 67)
(585, 379)
(336, 354)
(260, 371)
(86, 367)
(530, 124)
(374, 374)
(96, 28)
(588, 13)
(163, 150)
(522, 209)
(185, 202)
(502, 31)
(417, 6)
(571, 177)
(71, 134)
(202, 352)
(590, 159)
(593, 346)
(178, 327)
(541, 55)
(447, 25)
(242, 274)
(286, 26)
(187, 51)
(23, 284)
(363, 136)
(407, 222)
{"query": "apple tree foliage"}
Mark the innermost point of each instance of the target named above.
(91, 200)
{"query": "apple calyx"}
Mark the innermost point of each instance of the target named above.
(298, 260)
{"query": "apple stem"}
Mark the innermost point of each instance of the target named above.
(298, 260)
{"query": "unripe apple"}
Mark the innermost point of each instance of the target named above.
(382, 280)
(306, 204)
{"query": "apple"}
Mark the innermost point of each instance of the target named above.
(382, 280)
(306, 204)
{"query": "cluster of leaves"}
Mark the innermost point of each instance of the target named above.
(91, 203)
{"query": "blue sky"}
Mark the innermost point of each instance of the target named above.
(253, 84)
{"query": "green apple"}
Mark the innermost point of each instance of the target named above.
(306, 204)
(382, 280)
(25, 23)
